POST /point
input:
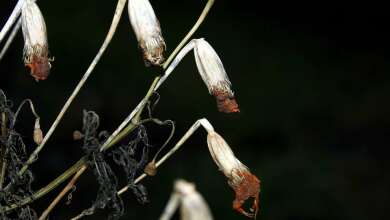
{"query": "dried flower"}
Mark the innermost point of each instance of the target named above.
(37, 135)
(245, 184)
(147, 30)
(213, 73)
(192, 204)
(151, 168)
(36, 49)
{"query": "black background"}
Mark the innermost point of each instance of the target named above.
(311, 80)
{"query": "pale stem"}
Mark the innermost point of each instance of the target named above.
(68, 187)
(118, 12)
(82, 161)
(165, 66)
(175, 62)
(11, 37)
(4, 149)
(11, 20)
(191, 32)
(202, 122)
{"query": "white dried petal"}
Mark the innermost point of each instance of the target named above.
(225, 159)
(211, 68)
(36, 49)
(147, 30)
(33, 25)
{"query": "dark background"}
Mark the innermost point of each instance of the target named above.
(311, 80)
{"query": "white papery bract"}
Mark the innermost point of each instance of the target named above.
(36, 49)
(147, 30)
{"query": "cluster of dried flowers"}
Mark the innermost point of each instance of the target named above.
(150, 40)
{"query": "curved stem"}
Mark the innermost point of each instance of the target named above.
(136, 114)
(118, 12)
(190, 33)
(201, 122)
(120, 133)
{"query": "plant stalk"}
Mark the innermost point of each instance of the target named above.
(117, 15)
(120, 132)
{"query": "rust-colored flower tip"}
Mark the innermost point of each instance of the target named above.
(37, 134)
(147, 30)
(36, 49)
(225, 102)
(241, 180)
(213, 73)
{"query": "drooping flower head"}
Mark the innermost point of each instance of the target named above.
(244, 183)
(214, 75)
(147, 30)
(211, 70)
(36, 48)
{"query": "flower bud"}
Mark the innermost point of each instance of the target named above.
(214, 75)
(147, 30)
(36, 49)
(37, 135)
(245, 184)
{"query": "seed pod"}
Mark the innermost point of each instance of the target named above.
(214, 76)
(77, 135)
(147, 30)
(244, 184)
(36, 49)
(37, 135)
(150, 168)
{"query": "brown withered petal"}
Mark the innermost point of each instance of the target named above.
(249, 187)
(36, 49)
(244, 183)
(39, 67)
(225, 102)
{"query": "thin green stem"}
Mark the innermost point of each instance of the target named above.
(65, 175)
(135, 119)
